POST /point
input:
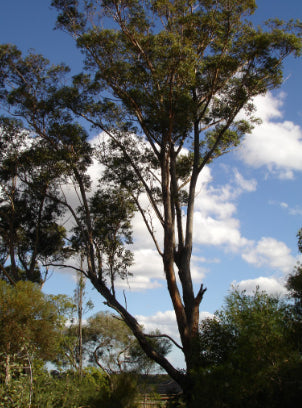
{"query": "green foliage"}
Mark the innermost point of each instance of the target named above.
(111, 210)
(248, 356)
(17, 394)
(152, 62)
(294, 285)
(122, 394)
(299, 235)
(30, 327)
(68, 390)
(108, 342)
(29, 229)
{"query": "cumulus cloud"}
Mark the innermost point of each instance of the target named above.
(147, 271)
(165, 322)
(296, 210)
(275, 144)
(138, 283)
(269, 107)
(270, 285)
(142, 238)
(211, 231)
(215, 224)
(270, 252)
(214, 219)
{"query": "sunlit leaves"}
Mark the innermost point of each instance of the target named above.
(30, 323)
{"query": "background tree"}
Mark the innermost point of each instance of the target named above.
(176, 73)
(31, 326)
(294, 281)
(248, 355)
(294, 286)
(71, 353)
(29, 231)
(109, 343)
(110, 211)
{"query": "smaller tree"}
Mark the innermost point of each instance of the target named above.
(294, 281)
(111, 210)
(70, 354)
(246, 352)
(29, 231)
(110, 344)
(294, 286)
(30, 326)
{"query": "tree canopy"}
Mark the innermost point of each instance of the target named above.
(31, 325)
(248, 354)
(30, 234)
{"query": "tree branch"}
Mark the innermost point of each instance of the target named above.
(164, 336)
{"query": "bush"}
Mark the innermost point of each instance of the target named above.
(122, 393)
(67, 390)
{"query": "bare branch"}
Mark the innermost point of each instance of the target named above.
(165, 336)
(56, 265)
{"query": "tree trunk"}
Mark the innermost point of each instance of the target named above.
(7, 366)
(81, 286)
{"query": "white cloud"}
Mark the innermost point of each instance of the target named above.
(269, 107)
(147, 271)
(214, 221)
(244, 184)
(138, 283)
(270, 252)
(165, 322)
(296, 210)
(142, 238)
(211, 231)
(277, 145)
(284, 205)
(271, 285)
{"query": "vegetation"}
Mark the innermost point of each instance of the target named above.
(164, 81)
(30, 326)
(250, 354)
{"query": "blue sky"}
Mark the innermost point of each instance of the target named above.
(249, 207)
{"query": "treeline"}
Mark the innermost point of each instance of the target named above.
(250, 352)
(43, 349)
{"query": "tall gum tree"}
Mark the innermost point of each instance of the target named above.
(175, 73)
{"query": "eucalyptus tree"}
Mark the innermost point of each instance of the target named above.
(29, 231)
(31, 326)
(174, 73)
(109, 343)
(177, 73)
(294, 287)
